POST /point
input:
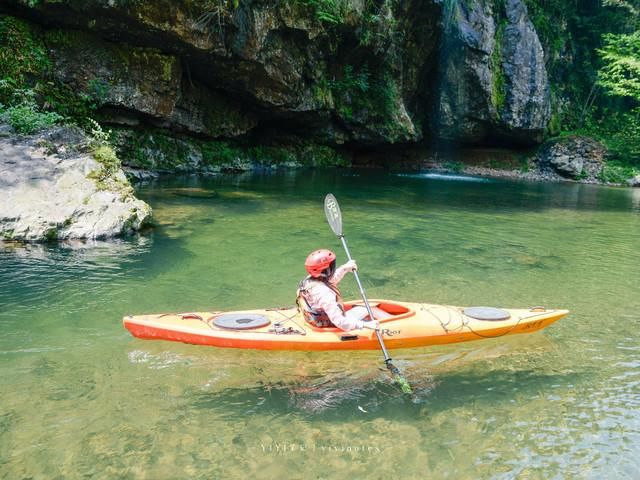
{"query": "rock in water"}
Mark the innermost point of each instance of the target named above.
(48, 192)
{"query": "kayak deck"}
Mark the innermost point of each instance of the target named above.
(405, 325)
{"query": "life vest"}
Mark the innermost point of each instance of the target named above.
(315, 316)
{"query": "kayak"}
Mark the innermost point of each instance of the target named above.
(402, 324)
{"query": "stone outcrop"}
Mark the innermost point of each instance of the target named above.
(577, 158)
(360, 74)
(525, 113)
(49, 191)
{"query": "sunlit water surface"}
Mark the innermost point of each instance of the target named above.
(81, 398)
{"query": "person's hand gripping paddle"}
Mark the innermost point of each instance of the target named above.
(334, 217)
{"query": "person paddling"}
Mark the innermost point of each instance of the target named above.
(319, 298)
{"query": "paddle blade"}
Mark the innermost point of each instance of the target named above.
(332, 212)
(405, 386)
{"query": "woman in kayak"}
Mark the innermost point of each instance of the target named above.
(319, 298)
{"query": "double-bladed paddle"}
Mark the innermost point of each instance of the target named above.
(334, 217)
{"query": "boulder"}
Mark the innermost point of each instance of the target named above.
(578, 158)
(49, 191)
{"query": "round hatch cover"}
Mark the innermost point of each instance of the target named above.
(486, 313)
(241, 321)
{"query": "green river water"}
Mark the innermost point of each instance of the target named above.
(81, 398)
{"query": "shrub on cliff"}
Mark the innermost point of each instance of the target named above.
(27, 118)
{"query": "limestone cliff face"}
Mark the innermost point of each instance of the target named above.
(361, 74)
(493, 83)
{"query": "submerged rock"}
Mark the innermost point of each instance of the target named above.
(49, 191)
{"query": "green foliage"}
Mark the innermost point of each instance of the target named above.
(618, 131)
(329, 12)
(615, 172)
(106, 175)
(26, 89)
(23, 55)
(272, 155)
(378, 26)
(359, 93)
(351, 81)
(620, 74)
(456, 167)
(99, 138)
(27, 118)
(349, 90)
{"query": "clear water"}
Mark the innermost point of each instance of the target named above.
(82, 399)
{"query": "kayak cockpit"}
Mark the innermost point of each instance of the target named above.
(383, 310)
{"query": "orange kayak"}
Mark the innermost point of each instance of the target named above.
(403, 325)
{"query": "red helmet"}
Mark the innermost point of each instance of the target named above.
(318, 261)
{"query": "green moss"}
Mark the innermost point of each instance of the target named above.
(321, 156)
(106, 176)
(64, 38)
(51, 235)
(24, 59)
(368, 98)
(220, 152)
(66, 101)
(153, 149)
(109, 164)
(498, 84)
(219, 113)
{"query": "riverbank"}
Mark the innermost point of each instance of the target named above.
(63, 184)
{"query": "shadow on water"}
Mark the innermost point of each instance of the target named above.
(343, 397)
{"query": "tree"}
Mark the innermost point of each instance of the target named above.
(620, 73)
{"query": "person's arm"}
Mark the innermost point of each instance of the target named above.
(341, 271)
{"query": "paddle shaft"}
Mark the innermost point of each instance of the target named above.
(387, 359)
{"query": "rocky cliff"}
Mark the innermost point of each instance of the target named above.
(199, 78)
